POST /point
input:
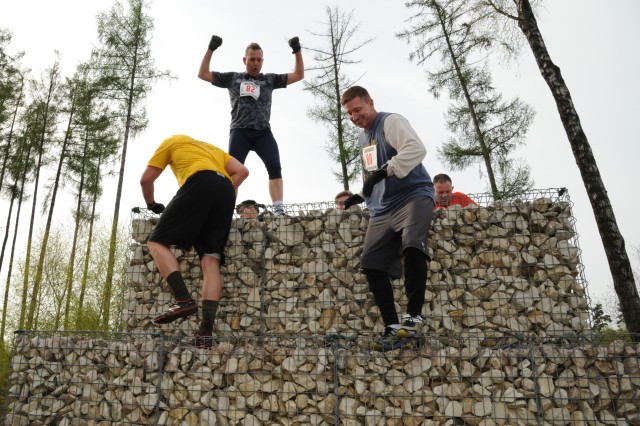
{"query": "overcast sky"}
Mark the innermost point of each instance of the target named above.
(595, 44)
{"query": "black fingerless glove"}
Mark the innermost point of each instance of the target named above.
(294, 43)
(215, 42)
(157, 208)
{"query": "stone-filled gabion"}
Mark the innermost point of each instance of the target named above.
(79, 380)
(507, 319)
(494, 271)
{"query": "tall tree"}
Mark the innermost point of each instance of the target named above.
(127, 71)
(486, 128)
(19, 171)
(334, 55)
(520, 13)
(9, 156)
(46, 93)
(96, 141)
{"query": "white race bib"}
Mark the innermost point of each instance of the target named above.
(370, 158)
(249, 88)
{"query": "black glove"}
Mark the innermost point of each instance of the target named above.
(157, 208)
(373, 178)
(353, 200)
(294, 43)
(215, 42)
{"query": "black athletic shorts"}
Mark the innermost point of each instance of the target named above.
(199, 215)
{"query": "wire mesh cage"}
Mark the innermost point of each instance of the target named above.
(506, 338)
(157, 380)
(507, 267)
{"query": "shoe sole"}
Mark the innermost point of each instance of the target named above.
(404, 334)
(398, 344)
(169, 318)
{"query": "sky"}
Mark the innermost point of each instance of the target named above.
(596, 46)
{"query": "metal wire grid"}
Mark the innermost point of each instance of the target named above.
(511, 267)
(70, 378)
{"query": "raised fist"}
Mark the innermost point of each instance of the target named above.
(215, 42)
(294, 43)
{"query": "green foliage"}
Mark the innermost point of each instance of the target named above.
(50, 301)
(335, 54)
(485, 129)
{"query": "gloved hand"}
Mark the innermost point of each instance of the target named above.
(373, 178)
(157, 208)
(294, 43)
(353, 200)
(215, 42)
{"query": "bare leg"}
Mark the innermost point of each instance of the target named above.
(212, 280)
(276, 190)
(164, 258)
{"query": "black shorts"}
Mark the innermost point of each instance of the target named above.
(199, 215)
(241, 141)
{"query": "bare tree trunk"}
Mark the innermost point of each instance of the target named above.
(486, 154)
(85, 273)
(53, 77)
(614, 247)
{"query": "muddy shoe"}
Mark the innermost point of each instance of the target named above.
(411, 326)
(181, 309)
(202, 340)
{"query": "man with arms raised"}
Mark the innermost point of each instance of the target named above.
(250, 94)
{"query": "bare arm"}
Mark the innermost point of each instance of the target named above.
(149, 176)
(237, 171)
(298, 72)
(205, 72)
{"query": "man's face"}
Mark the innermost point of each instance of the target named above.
(248, 212)
(361, 112)
(443, 192)
(340, 202)
(253, 62)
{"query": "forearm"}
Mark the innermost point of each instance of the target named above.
(147, 180)
(298, 71)
(205, 67)
(148, 192)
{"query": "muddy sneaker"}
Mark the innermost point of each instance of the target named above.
(411, 326)
(202, 340)
(389, 340)
(181, 309)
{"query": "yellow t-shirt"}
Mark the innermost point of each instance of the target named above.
(187, 156)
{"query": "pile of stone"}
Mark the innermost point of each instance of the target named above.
(75, 380)
(506, 310)
(509, 269)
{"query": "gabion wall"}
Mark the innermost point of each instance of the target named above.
(512, 269)
(507, 340)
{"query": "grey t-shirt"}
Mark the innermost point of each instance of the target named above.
(250, 97)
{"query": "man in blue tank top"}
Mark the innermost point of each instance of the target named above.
(250, 94)
(400, 197)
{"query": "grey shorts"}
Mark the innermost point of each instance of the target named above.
(389, 235)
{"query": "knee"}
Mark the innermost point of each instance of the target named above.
(375, 277)
(274, 170)
(414, 254)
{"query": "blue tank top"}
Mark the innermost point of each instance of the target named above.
(391, 192)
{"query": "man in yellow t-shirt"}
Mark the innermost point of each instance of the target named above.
(198, 215)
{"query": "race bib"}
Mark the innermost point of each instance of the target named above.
(370, 158)
(249, 88)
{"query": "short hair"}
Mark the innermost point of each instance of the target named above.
(342, 194)
(441, 178)
(354, 92)
(252, 46)
(246, 203)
